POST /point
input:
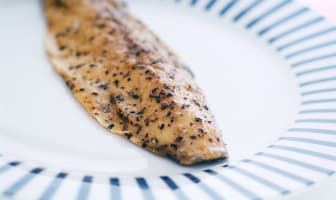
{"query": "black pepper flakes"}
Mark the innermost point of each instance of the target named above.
(94, 93)
(134, 96)
(154, 90)
(104, 86)
(120, 98)
(79, 66)
(193, 137)
(128, 135)
(197, 119)
(179, 139)
(110, 126)
(138, 131)
(161, 127)
(116, 83)
(164, 106)
(112, 100)
(185, 106)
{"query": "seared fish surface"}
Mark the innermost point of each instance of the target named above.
(129, 81)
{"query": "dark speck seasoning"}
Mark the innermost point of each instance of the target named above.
(110, 126)
(104, 86)
(197, 119)
(120, 98)
(129, 81)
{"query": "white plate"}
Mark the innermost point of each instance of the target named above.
(268, 69)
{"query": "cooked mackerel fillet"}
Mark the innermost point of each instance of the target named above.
(129, 81)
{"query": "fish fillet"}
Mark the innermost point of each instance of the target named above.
(129, 81)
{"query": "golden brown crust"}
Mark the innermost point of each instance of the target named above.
(129, 81)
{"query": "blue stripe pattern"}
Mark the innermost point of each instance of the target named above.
(283, 20)
(303, 39)
(193, 2)
(210, 4)
(214, 195)
(298, 163)
(309, 49)
(146, 191)
(263, 181)
(313, 130)
(115, 189)
(247, 193)
(53, 186)
(174, 187)
(8, 166)
(305, 152)
(317, 101)
(319, 91)
(309, 141)
(323, 121)
(317, 111)
(318, 81)
(267, 13)
(282, 172)
(295, 29)
(226, 8)
(84, 189)
(316, 70)
(246, 10)
(22, 182)
(310, 60)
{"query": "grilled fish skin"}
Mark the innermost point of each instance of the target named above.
(129, 81)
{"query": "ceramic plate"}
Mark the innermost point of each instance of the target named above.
(268, 69)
